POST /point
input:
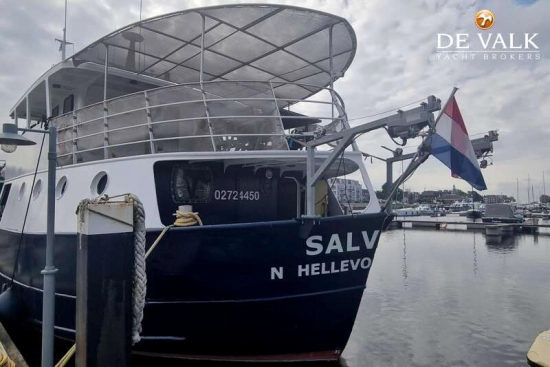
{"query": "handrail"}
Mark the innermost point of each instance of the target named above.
(74, 132)
(199, 101)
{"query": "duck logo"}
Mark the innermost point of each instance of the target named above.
(485, 19)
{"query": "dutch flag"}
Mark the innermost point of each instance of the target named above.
(452, 146)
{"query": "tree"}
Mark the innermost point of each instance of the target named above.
(477, 197)
(398, 195)
(544, 199)
(459, 192)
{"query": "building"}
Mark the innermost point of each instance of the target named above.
(494, 199)
(448, 199)
(347, 190)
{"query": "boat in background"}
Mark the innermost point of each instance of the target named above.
(501, 213)
(425, 209)
(474, 214)
(407, 212)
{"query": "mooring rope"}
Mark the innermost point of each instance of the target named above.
(5, 360)
(139, 287)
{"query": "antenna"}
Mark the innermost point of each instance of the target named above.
(63, 43)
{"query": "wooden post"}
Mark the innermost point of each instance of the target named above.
(105, 258)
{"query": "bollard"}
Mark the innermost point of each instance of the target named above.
(105, 258)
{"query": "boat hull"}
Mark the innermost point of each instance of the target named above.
(285, 290)
(502, 220)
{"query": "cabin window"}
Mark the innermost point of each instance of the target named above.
(99, 183)
(4, 198)
(191, 185)
(68, 104)
(55, 111)
(61, 187)
(37, 189)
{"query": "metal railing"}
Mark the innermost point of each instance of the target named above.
(207, 116)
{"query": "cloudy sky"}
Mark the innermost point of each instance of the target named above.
(395, 64)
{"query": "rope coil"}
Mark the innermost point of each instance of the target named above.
(5, 360)
(139, 288)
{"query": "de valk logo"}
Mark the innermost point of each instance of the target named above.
(487, 45)
(485, 19)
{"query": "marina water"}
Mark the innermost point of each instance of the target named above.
(446, 298)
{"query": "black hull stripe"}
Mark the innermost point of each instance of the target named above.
(34, 288)
(312, 294)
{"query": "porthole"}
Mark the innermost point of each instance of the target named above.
(22, 191)
(61, 187)
(99, 183)
(37, 189)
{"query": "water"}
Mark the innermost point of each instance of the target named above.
(444, 298)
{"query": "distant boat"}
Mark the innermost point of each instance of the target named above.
(407, 212)
(460, 206)
(425, 210)
(474, 214)
(501, 213)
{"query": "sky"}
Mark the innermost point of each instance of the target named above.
(396, 63)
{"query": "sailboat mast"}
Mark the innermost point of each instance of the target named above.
(543, 185)
(528, 189)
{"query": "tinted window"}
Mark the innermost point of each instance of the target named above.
(68, 104)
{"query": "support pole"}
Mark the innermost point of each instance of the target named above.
(310, 188)
(28, 112)
(105, 259)
(48, 302)
(105, 111)
(389, 178)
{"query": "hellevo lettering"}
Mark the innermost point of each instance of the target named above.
(487, 46)
(335, 243)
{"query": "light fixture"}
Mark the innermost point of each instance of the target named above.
(10, 136)
(8, 148)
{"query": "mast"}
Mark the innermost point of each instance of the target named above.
(63, 43)
(543, 185)
(528, 189)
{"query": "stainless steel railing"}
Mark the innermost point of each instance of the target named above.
(208, 116)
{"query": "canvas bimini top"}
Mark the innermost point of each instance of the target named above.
(241, 42)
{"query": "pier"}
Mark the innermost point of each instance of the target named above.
(529, 226)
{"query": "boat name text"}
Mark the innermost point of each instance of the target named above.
(318, 244)
(316, 247)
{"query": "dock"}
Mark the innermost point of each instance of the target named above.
(529, 226)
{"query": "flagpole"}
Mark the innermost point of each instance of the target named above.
(442, 111)
(411, 167)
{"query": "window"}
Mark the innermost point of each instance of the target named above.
(68, 104)
(191, 185)
(4, 198)
(55, 111)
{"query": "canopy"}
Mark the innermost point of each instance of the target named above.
(241, 42)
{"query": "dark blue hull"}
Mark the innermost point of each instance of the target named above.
(271, 290)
